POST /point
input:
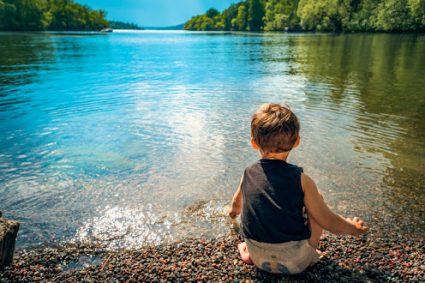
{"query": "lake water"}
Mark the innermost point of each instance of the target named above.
(132, 138)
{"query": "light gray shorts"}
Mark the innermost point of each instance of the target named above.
(285, 258)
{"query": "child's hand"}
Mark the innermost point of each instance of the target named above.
(359, 227)
(234, 211)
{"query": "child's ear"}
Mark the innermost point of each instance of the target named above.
(254, 144)
(297, 142)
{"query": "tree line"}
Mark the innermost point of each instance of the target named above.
(315, 15)
(124, 25)
(58, 15)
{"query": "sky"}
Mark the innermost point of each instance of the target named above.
(155, 13)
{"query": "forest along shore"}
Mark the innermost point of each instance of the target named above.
(344, 259)
(315, 15)
(57, 15)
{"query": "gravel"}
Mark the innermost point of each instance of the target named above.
(345, 259)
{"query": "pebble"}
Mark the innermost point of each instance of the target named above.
(393, 259)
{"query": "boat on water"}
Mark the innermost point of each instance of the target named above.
(106, 30)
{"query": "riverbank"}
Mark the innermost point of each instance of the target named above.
(371, 259)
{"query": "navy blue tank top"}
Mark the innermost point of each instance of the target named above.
(273, 203)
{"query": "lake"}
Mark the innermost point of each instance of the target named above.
(131, 138)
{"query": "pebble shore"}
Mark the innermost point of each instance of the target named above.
(344, 259)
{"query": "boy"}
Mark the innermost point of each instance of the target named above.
(283, 214)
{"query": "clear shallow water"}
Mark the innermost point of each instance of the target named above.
(129, 138)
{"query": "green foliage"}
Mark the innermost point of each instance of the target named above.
(201, 22)
(325, 15)
(362, 17)
(315, 15)
(7, 16)
(417, 11)
(228, 15)
(211, 13)
(68, 15)
(122, 25)
(241, 20)
(33, 15)
(281, 15)
(255, 15)
(22, 14)
(211, 20)
(394, 15)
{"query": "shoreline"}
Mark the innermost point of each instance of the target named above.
(345, 259)
(418, 32)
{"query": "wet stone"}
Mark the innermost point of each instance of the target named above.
(199, 260)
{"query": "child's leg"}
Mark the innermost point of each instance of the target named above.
(316, 232)
(243, 250)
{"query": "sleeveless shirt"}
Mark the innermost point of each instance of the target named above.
(273, 203)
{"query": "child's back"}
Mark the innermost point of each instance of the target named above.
(273, 202)
(283, 214)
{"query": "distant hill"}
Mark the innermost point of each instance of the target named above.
(123, 25)
(177, 27)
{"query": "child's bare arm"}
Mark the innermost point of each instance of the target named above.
(324, 216)
(236, 206)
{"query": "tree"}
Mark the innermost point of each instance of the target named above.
(68, 15)
(49, 14)
(7, 16)
(211, 20)
(228, 15)
(240, 22)
(362, 16)
(124, 25)
(394, 15)
(417, 11)
(211, 13)
(315, 15)
(281, 15)
(324, 15)
(23, 14)
(255, 15)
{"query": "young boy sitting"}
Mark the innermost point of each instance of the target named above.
(283, 214)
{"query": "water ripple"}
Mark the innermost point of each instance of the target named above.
(137, 138)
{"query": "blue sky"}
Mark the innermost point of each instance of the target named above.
(155, 12)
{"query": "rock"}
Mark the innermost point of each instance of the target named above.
(200, 260)
(8, 232)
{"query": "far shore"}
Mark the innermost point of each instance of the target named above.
(214, 31)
